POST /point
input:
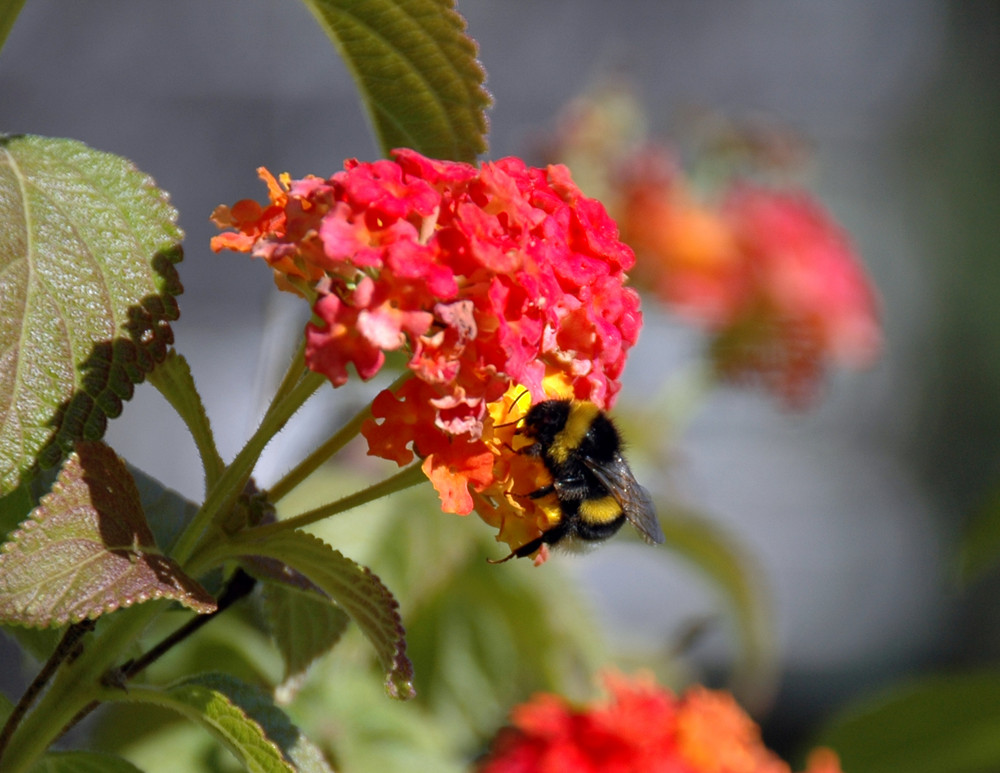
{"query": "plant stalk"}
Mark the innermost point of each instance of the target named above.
(404, 479)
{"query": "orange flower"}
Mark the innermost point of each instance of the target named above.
(642, 728)
(483, 277)
(691, 256)
(504, 503)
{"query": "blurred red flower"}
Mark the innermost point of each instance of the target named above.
(641, 728)
(768, 273)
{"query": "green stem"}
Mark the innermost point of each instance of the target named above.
(222, 496)
(239, 586)
(79, 683)
(295, 371)
(404, 479)
(65, 649)
(76, 685)
(311, 463)
(342, 437)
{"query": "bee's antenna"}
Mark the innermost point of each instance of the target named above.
(509, 423)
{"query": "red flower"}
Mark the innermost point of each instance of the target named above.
(768, 273)
(485, 277)
(809, 301)
(643, 728)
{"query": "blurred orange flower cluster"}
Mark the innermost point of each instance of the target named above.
(641, 728)
(762, 268)
(766, 272)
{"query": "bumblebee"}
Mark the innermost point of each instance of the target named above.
(597, 492)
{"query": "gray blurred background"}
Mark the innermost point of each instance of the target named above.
(852, 509)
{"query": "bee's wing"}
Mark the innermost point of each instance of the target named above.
(636, 502)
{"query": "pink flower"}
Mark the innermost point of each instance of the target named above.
(484, 277)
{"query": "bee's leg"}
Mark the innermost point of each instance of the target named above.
(544, 491)
(525, 550)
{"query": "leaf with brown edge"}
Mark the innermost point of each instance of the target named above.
(87, 550)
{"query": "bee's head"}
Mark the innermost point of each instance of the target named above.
(544, 420)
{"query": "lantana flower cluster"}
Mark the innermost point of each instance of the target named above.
(641, 728)
(766, 271)
(763, 269)
(491, 280)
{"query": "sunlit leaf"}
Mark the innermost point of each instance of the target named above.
(83, 762)
(87, 286)
(940, 724)
(417, 71)
(86, 550)
(356, 590)
(243, 718)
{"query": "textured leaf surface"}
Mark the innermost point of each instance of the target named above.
(356, 590)
(941, 724)
(304, 625)
(87, 286)
(244, 719)
(87, 550)
(83, 762)
(417, 70)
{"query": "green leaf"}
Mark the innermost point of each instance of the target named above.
(482, 637)
(356, 590)
(940, 724)
(86, 550)
(39, 643)
(174, 381)
(83, 762)
(735, 575)
(9, 10)
(243, 718)
(87, 247)
(980, 546)
(14, 508)
(417, 71)
(167, 512)
(305, 625)
(5, 707)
